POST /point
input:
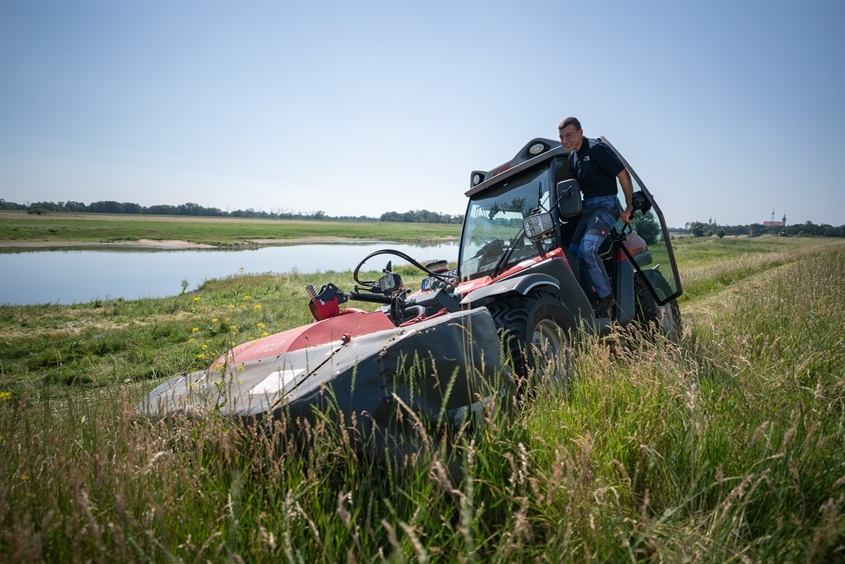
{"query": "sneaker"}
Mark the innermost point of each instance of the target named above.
(602, 308)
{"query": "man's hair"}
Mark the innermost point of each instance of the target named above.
(570, 121)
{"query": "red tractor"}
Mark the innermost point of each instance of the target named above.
(437, 351)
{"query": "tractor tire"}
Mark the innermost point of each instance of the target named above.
(664, 319)
(536, 331)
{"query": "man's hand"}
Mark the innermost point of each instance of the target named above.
(625, 182)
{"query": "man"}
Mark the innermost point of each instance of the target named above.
(596, 167)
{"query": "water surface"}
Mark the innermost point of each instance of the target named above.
(77, 276)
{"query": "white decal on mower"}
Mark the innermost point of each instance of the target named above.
(276, 381)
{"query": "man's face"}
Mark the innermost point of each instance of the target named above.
(571, 138)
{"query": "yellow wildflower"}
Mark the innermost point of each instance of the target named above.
(214, 320)
(240, 368)
(247, 298)
(5, 395)
(257, 307)
(201, 356)
(191, 340)
(260, 325)
(205, 347)
(195, 330)
(197, 299)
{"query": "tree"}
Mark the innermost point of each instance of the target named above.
(720, 233)
(108, 206)
(697, 229)
(646, 227)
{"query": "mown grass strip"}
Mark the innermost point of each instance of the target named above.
(710, 265)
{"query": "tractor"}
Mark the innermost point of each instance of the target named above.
(508, 311)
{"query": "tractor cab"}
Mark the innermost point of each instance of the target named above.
(528, 208)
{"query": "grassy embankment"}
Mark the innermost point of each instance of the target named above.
(725, 448)
(218, 231)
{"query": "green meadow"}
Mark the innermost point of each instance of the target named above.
(727, 446)
(218, 231)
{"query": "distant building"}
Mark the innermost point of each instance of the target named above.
(781, 223)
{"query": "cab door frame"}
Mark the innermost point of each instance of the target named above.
(662, 299)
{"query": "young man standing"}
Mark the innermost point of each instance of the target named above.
(596, 167)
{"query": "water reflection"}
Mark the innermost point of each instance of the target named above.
(76, 276)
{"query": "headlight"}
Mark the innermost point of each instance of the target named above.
(539, 227)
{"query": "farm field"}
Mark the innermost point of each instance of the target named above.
(728, 446)
(90, 228)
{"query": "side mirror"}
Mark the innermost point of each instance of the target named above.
(539, 227)
(568, 198)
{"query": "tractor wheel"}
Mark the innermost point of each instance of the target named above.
(665, 319)
(536, 330)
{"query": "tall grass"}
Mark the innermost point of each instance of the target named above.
(726, 447)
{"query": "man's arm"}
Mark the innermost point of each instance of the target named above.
(625, 181)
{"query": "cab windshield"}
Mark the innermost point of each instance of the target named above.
(494, 218)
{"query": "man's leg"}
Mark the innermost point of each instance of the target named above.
(575, 249)
(599, 225)
(591, 263)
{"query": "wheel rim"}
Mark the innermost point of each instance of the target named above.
(551, 348)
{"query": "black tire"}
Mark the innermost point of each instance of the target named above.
(665, 319)
(536, 331)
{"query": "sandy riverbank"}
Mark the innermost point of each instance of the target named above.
(143, 243)
(177, 245)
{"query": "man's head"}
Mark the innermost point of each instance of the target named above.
(571, 135)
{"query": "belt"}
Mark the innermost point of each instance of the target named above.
(598, 198)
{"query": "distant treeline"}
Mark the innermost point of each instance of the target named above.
(806, 229)
(421, 216)
(192, 209)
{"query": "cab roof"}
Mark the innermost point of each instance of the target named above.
(535, 151)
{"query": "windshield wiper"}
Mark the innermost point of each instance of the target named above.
(503, 260)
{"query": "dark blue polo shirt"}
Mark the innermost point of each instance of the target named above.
(595, 166)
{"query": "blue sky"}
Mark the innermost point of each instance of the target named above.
(726, 110)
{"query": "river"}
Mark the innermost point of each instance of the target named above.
(81, 276)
